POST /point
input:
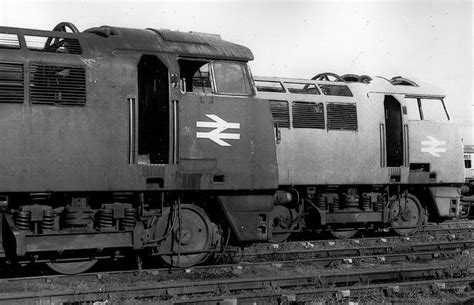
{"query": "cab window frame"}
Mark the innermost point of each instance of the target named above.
(247, 77)
(424, 114)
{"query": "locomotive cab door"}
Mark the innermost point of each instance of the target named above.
(153, 111)
(394, 132)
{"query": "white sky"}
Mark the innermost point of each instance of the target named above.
(429, 41)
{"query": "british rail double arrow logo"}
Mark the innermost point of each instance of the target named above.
(433, 146)
(217, 135)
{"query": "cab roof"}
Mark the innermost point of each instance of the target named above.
(190, 44)
(106, 39)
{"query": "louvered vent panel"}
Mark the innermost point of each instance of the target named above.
(11, 82)
(57, 85)
(342, 116)
(308, 115)
(280, 113)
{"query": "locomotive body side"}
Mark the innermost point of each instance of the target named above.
(64, 147)
(356, 153)
(347, 141)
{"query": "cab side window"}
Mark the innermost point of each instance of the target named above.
(196, 75)
(231, 78)
(217, 77)
(429, 109)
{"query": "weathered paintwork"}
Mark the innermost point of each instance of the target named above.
(86, 148)
(344, 157)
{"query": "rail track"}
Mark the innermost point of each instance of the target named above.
(328, 277)
(343, 269)
(317, 284)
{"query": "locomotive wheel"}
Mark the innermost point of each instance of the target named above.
(72, 267)
(343, 233)
(282, 219)
(406, 214)
(197, 234)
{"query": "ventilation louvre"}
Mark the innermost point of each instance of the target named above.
(11, 82)
(308, 115)
(280, 113)
(342, 116)
(57, 85)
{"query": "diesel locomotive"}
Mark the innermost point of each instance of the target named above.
(119, 141)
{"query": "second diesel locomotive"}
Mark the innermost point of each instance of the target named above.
(121, 141)
(364, 151)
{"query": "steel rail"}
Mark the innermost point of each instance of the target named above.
(360, 250)
(166, 291)
(389, 290)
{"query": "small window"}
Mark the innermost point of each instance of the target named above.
(280, 113)
(433, 110)
(308, 115)
(53, 44)
(301, 88)
(196, 75)
(202, 79)
(232, 78)
(9, 41)
(337, 90)
(11, 82)
(467, 161)
(57, 84)
(413, 109)
(342, 116)
(269, 86)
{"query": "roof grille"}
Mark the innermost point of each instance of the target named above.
(342, 116)
(308, 115)
(280, 113)
(11, 82)
(57, 84)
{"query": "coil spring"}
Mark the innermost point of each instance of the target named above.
(48, 220)
(22, 220)
(334, 206)
(77, 217)
(365, 204)
(378, 206)
(129, 219)
(106, 218)
(322, 202)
